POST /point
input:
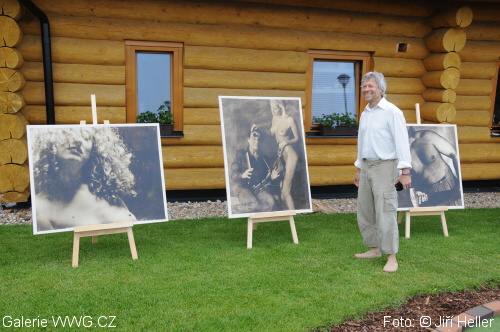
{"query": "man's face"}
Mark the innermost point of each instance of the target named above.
(254, 140)
(371, 92)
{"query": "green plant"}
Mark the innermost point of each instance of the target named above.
(336, 119)
(163, 115)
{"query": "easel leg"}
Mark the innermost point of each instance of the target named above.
(131, 241)
(400, 216)
(249, 233)
(95, 239)
(407, 225)
(443, 221)
(294, 230)
(76, 249)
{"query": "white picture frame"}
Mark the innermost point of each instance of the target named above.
(95, 174)
(436, 173)
(242, 117)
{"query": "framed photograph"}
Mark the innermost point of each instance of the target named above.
(95, 174)
(264, 155)
(436, 176)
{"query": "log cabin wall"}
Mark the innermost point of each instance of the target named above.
(260, 49)
(14, 172)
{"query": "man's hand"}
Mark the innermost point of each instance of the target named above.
(247, 174)
(356, 178)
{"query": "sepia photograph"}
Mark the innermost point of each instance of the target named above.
(264, 155)
(95, 174)
(435, 160)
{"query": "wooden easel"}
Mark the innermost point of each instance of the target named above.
(102, 229)
(255, 218)
(423, 211)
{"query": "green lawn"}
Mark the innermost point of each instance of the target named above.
(197, 275)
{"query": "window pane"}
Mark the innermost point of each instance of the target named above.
(329, 95)
(153, 81)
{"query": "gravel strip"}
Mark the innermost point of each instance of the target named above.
(197, 210)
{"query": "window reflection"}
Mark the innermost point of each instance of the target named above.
(153, 81)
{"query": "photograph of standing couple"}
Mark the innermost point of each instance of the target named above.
(264, 155)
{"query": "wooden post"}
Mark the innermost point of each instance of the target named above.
(423, 211)
(95, 230)
(270, 216)
(101, 229)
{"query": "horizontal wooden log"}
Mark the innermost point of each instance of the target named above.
(76, 51)
(202, 116)
(36, 114)
(11, 8)
(194, 178)
(389, 7)
(453, 17)
(10, 32)
(13, 151)
(486, 12)
(192, 156)
(199, 78)
(11, 80)
(399, 67)
(410, 115)
(442, 61)
(409, 86)
(331, 155)
(203, 57)
(15, 197)
(405, 101)
(472, 102)
(331, 141)
(483, 31)
(72, 94)
(472, 118)
(478, 70)
(331, 175)
(12, 126)
(446, 40)
(474, 87)
(440, 95)
(250, 37)
(207, 97)
(14, 178)
(241, 13)
(11, 58)
(482, 171)
(197, 135)
(10, 102)
(471, 134)
(438, 112)
(76, 73)
(480, 51)
(479, 153)
(446, 79)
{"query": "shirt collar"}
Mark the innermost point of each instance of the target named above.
(381, 104)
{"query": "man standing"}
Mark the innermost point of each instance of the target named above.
(383, 150)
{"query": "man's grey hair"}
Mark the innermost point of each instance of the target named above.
(379, 79)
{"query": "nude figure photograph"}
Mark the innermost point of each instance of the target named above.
(88, 175)
(264, 154)
(435, 160)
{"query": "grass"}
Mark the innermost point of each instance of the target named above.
(197, 275)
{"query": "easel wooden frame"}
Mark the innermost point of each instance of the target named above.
(102, 229)
(423, 211)
(256, 218)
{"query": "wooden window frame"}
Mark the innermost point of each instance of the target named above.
(176, 49)
(493, 98)
(365, 59)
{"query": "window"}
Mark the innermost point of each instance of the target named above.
(333, 80)
(154, 78)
